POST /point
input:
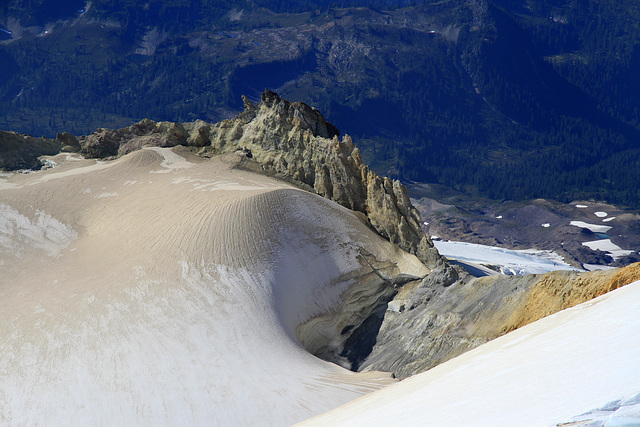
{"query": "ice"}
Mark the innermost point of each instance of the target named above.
(511, 262)
(43, 232)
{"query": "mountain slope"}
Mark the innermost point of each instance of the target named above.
(166, 288)
(506, 99)
(447, 314)
(159, 283)
(578, 361)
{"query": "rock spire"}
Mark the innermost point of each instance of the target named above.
(294, 140)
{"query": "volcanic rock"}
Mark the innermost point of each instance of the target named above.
(22, 151)
(443, 316)
(296, 141)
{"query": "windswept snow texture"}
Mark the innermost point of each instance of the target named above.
(136, 298)
(43, 232)
(507, 261)
(582, 360)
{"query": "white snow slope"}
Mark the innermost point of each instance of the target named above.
(581, 365)
(163, 289)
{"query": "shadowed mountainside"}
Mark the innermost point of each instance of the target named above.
(505, 99)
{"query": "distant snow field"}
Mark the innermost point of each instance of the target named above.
(595, 228)
(606, 245)
(510, 262)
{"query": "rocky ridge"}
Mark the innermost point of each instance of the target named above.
(433, 320)
(394, 323)
(291, 139)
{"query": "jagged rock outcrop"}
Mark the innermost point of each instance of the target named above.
(294, 140)
(432, 321)
(69, 142)
(147, 133)
(22, 151)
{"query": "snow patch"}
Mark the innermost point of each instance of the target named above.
(609, 219)
(622, 412)
(600, 214)
(50, 175)
(593, 267)
(150, 42)
(582, 206)
(545, 225)
(102, 195)
(606, 245)
(510, 262)
(216, 185)
(172, 161)
(44, 232)
(594, 228)
(235, 14)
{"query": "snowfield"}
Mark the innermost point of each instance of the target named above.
(174, 300)
(606, 245)
(505, 261)
(167, 289)
(596, 228)
(578, 365)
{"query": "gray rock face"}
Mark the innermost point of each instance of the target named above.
(294, 140)
(444, 315)
(447, 313)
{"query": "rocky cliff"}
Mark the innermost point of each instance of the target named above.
(442, 316)
(294, 140)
